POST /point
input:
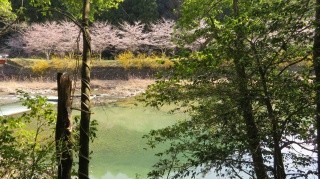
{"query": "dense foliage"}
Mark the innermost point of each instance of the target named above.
(7, 17)
(6, 13)
(248, 88)
(27, 142)
(132, 11)
(28, 149)
(129, 10)
(249, 92)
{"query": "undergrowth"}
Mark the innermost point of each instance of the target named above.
(126, 60)
(129, 60)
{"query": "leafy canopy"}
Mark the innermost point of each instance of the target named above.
(271, 42)
(132, 11)
(27, 141)
(74, 7)
(6, 11)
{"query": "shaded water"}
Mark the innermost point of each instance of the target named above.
(118, 151)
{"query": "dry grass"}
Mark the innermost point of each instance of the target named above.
(122, 88)
(11, 86)
(105, 63)
(60, 63)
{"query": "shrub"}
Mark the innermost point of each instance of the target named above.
(27, 141)
(59, 64)
(125, 58)
(63, 63)
(27, 147)
(129, 60)
(40, 66)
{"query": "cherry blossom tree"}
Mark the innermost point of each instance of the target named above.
(47, 38)
(104, 36)
(131, 36)
(42, 38)
(70, 38)
(66, 38)
(16, 43)
(160, 35)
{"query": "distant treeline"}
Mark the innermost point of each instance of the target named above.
(146, 11)
(64, 38)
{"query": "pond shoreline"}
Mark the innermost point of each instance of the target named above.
(103, 91)
(13, 70)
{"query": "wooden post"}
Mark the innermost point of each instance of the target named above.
(63, 127)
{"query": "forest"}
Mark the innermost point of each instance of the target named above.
(246, 73)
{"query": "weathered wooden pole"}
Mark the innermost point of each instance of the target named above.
(63, 127)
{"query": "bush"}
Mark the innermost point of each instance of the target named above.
(125, 59)
(63, 63)
(27, 142)
(60, 64)
(129, 60)
(27, 147)
(40, 66)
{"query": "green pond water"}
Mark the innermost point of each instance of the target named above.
(118, 150)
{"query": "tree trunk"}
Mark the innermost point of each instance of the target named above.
(316, 64)
(279, 172)
(83, 171)
(48, 53)
(245, 104)
(253, 136)
(63, 127)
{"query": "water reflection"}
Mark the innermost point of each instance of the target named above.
(109, 175)
(11, 109)
(118, 151)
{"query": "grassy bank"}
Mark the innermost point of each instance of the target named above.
(26, 69)
(125, 60)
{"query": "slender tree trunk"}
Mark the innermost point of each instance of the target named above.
(316, 64)
(83, 172)
(245, 104)
(251, 128)
(63, 127)
(279, 172)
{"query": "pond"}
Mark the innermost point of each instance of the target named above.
(10, 109)
(119, 150)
